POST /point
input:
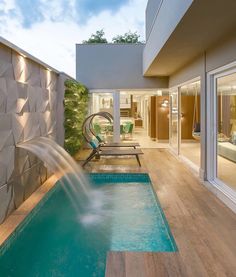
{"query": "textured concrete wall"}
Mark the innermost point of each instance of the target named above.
(29, 105)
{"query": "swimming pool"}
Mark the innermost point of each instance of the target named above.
(53, 242)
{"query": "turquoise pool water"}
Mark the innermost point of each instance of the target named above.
(53, 242)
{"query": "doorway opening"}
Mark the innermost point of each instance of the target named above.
(185, 129)
(144, 116)
(190, 146)
(226, 129)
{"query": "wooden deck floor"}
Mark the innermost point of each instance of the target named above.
(203, 227)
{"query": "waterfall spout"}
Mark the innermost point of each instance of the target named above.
(63, 165)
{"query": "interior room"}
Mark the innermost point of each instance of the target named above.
(144, 116)
(190, 122)
(226, 142)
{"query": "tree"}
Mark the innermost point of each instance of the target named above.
(127, 38)
(98, 37)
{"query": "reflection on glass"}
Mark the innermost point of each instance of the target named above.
(190, 122)
(174, 120)
(226, 126)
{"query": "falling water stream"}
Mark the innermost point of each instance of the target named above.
(64, 166)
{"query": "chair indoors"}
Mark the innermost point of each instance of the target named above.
(100, 138)
(128, 129)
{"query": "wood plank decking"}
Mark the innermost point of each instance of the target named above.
(203, 227)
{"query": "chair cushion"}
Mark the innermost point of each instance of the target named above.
(94, 144)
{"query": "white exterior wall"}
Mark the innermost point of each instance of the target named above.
(113, 66)
(169, 15)
(152, 10)
(219, 56)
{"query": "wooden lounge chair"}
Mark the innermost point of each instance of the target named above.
(103, 144)
(99, 152)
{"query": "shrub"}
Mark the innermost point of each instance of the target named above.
(76, 108)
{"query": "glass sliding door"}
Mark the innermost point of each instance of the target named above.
(103, 102)
(174, 121)
(226, 129)
(190, 122)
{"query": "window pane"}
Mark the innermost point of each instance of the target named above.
(226, 126)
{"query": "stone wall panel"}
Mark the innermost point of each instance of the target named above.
(31, 180)
(33, 160)
(42, 172)
(31, 128)
(6, 134)
(32, 96)
(28, 109)
(6, 201)
(12, 96)
(18, 124)
(19, 67)
(6, 70)
(3, 95)
(7, 156)
(33, 74)
(22, 161)
(18, 191)
(43, 78)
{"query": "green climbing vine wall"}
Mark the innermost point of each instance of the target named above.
(76, 108)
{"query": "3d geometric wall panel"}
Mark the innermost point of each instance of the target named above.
(3, 95)
(6, 69)
(6, 164)
(28, 109)
(6, 138)
(6, 201)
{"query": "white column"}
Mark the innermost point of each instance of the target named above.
(116, 115)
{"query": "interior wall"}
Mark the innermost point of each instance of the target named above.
(30, 100)
(162, 119)
(187, 109)
(158, 118)
(152, 122)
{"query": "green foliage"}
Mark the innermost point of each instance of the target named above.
(97, 38)
(127, 38)
(76, 108)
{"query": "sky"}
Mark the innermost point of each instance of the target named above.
(49, 29)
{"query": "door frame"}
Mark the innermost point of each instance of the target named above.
(178, 152)
(212, 132)
(176, 90)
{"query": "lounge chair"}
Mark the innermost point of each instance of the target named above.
(100, 151)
